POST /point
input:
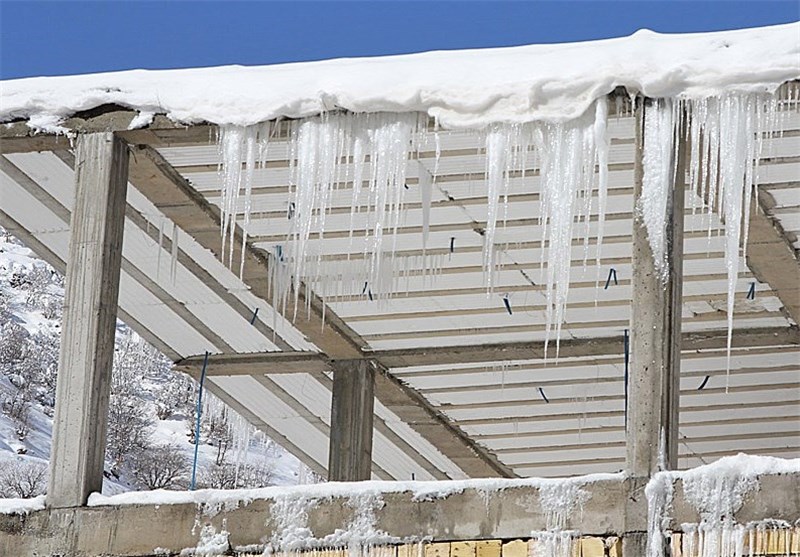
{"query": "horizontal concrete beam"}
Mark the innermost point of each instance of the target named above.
(18, 137)
(437, 511)
(267, 363)
(458, 513)
(570, 348)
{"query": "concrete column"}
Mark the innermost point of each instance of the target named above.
(90, 312)
(350, 452)
(654, 383)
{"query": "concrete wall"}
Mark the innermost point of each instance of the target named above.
(472, 514)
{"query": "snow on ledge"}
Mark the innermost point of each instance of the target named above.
(716, 491)
(421, 491)
(740, 465)
(21, 506)
(467, 88)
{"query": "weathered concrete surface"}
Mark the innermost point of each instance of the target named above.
(90, 313)
(140, 529)
(775, 497)
(352, 404)
(471, 514)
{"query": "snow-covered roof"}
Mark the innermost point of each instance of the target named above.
(467, 88)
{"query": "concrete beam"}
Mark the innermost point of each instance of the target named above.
(460, 512)
(264, 363)
(457, 512)
(771, 257)
(352, 411)
(414, 409)
(268, 363)
(18, 137)
(89, 322)
(154, 177)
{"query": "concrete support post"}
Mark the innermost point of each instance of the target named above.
(654, 384)
(89, 322)
(350, 453)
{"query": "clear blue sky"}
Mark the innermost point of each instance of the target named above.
(52, 38)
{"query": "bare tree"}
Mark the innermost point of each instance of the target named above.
(173, 396)
(218, 476)
(23, 478)
(159, 467)
(13, 343)
(129, 427)
(258, 474)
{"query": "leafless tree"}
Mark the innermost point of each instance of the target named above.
(13, 344)
(129, 427)
(258, 474)
(174, 395)
(159, 467)
(23, 478)
(218, 476)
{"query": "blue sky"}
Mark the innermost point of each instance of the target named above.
(54, 38)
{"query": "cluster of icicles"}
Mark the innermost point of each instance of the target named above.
(716, 497)
(366, 157)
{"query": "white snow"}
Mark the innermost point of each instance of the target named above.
(21, 506)
(461, 89)
(422, 491)
(716, 491)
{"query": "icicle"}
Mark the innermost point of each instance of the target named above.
(727, 137)
(657, 162)
(425, 192)
(160, 247)
(602, 146)
(241, 150)
(498, 151)
(567, 172)
(319, 145)
(173, 269)
(559, 500)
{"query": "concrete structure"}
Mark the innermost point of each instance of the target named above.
(653, 390)
(460, 383)
(90, 315)
(468, 514)
(351, 420)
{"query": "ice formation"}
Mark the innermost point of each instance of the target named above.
(726, 135)
(289, 520)
(559, 500)
(241, 151)
(370, 154)
(658, 163)
(716, 491)
(211, 542)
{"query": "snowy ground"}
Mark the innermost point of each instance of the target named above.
(29, 292)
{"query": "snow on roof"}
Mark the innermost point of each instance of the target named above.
(467, 88)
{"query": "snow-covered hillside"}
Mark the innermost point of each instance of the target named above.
(152, 408)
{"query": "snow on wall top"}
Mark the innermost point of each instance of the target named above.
(468, 88)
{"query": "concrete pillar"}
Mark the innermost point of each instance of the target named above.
(654, 383)
(350, 452)
(89, 322)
